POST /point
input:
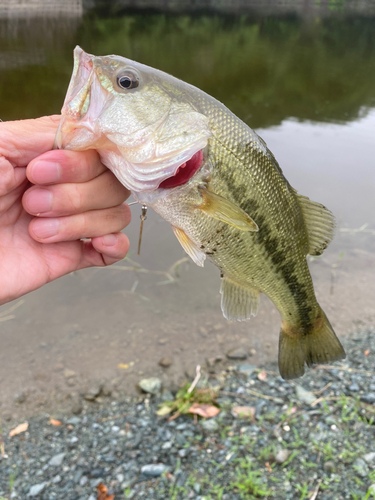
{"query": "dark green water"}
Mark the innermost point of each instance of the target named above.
(265, 70)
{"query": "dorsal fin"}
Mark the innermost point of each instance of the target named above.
(320, 224)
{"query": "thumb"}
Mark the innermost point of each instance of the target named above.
(22, 141)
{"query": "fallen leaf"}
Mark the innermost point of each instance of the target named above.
(367, 352)
(268, 467)
(243, 411)
(123, 366)
(103, 492)
(262, 375)
(20, 428)
(206, 411)
(164, 410)
(54, 422)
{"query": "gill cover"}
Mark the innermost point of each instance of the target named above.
(143, 133)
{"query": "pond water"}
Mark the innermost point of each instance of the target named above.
(305, 81)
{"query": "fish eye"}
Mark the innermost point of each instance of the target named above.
(127, 80)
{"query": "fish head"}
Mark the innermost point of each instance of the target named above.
(142, 121)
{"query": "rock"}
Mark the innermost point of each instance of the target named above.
(354, 387)
(369, 398)
(282, 456)
(210, 425)
(58, 367)
(243, 411)
(329, 466)
(165, 362)
(83, 481)
(57, 460)
(36, 489)
(57, 479)
(20, 398)
(183, 453)
(93, 392)
(304, 396)
(76, 407)
(247, 369)
(69, 373)
(369, 458)
(74, 421)
(150, 385)
(153, 470)
(237, 353)
(361, 467)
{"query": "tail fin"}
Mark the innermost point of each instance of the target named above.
(296, 347)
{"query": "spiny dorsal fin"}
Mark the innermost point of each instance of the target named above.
(320, 224)
(190, 248)
(238, 302)
(220, 208)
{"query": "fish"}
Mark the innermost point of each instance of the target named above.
(214, 180)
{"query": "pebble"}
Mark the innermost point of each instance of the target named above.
(237, 353)
(369, 457)
(165, 362)
(210, 425)
(329, 466)
(150, 385)
(305, 396)
(247, 369)
(354, 387)
(243, 411)
(93, 392)
(369, 398)
(36, 489)
(69, 373)
(361, 467)
(83, 481)
(282, 456)
(20, 398)
(57, 460)
(153, 470)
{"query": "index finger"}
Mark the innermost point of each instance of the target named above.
(63, 166)
(22, 141)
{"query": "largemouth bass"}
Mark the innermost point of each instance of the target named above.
(183, 153)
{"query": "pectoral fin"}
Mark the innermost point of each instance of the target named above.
(238, 302)
(190, 248)
(219, 208)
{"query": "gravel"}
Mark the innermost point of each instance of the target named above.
(305, 438)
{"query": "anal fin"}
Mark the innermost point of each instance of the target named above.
(190, 248)
(238, 302)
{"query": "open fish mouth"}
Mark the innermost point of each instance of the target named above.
(184, 172)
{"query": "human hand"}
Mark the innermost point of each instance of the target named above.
(74, 196)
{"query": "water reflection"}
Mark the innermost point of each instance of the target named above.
(264, 69)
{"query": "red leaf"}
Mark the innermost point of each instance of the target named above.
(206, 411)
(103, 492)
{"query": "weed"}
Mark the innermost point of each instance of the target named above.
(249, 482)
(185, 399)
(303, 489)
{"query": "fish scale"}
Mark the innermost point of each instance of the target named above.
(235, 208)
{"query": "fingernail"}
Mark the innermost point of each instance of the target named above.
(45, 228)
(46, 171)
(109, 240)
(38, 201)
